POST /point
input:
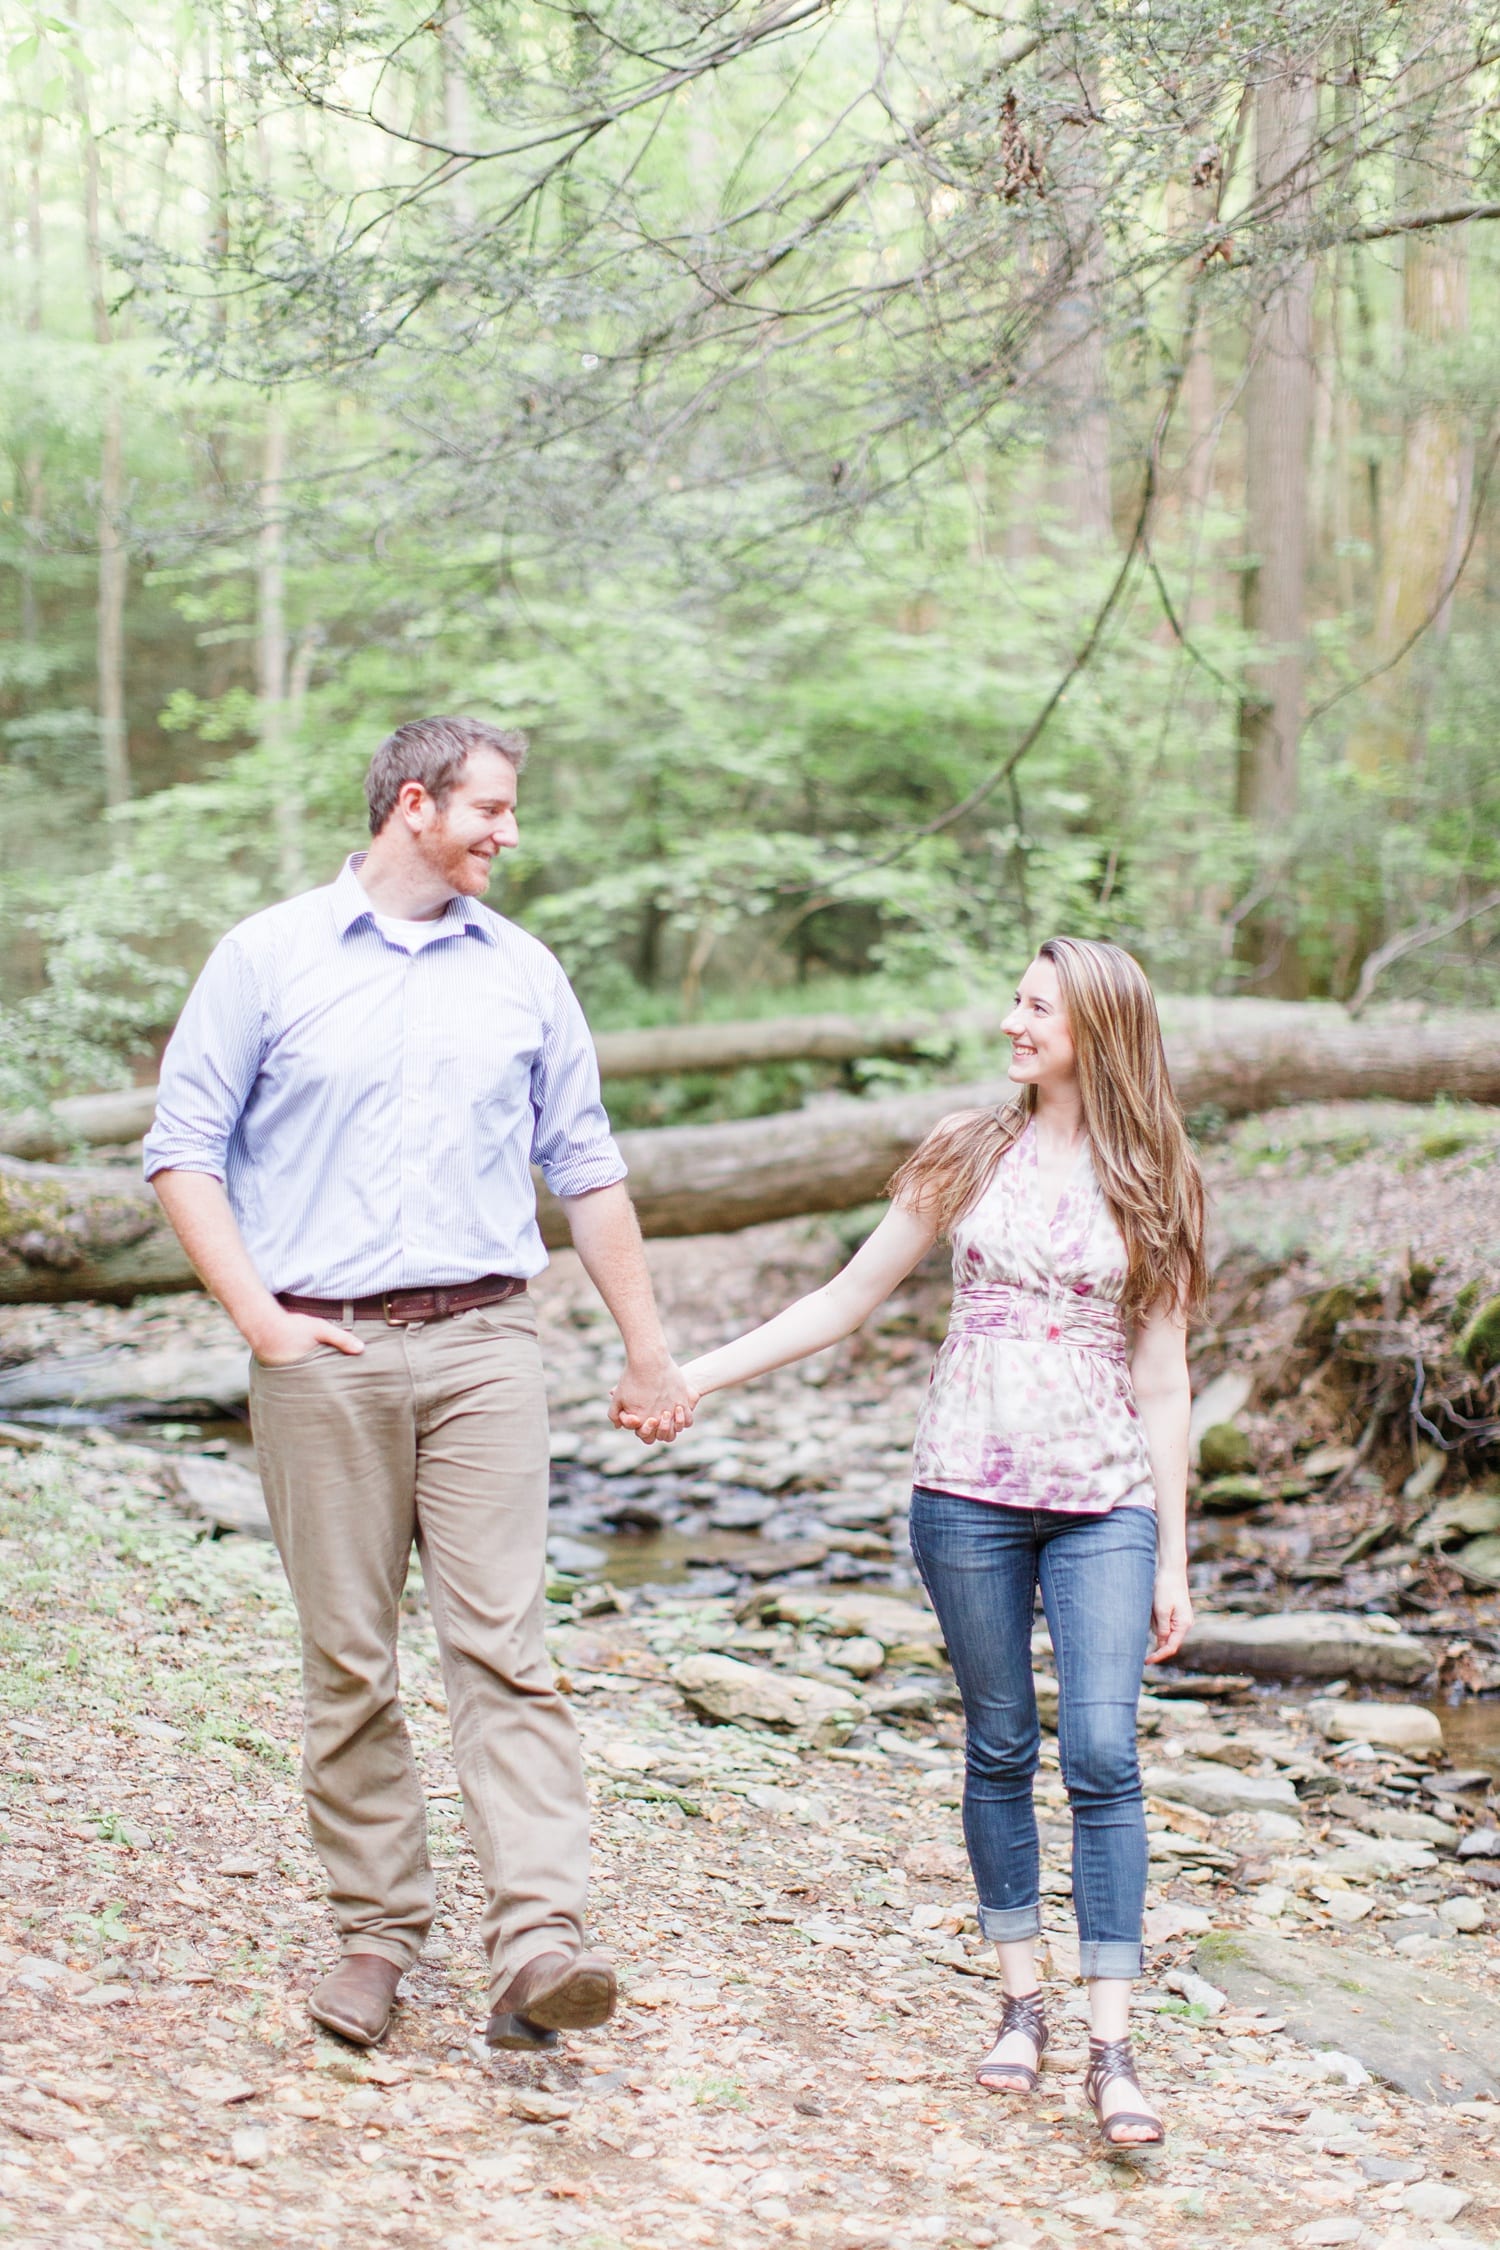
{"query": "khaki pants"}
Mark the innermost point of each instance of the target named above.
(435, 1434)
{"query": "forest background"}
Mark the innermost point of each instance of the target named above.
(925, 474)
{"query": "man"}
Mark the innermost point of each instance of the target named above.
(348, 1113)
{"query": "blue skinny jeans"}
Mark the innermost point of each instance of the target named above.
(981, 1565)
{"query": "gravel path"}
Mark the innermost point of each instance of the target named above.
(805, 1996)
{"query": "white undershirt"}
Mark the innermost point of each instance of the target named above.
(412, 936)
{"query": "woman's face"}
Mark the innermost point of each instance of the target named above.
(1037, 1028)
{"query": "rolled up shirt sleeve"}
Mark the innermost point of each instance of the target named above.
(572, 1141)
(209, 1068)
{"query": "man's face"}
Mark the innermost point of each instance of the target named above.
(459, 840)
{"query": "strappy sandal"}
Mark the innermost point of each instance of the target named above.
(1021, 2013)
(1111, 2059)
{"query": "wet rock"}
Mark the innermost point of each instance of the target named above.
(1218, 1790)
(857, 1511)
(574, 1557)
(1433, 2036)
(742, 1511)
(220, 1491)
(775, 1558)
(1457, 1781)
(1388, 1726)
(720, 1687)
(636, 1515)
(1308, 1644)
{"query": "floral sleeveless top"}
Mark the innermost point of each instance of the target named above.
(1030, 1402)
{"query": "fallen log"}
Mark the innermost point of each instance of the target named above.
(665, 1051)
(1239, 1055)
(68, 1233)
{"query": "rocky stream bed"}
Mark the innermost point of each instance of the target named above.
(775, 1750)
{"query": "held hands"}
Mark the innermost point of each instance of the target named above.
(655, 1401)
(285, 1336)
(1171, 1612)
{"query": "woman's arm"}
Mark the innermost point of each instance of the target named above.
(900, 1241)
(1163, 1394)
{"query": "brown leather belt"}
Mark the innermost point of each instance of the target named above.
(400, 1308)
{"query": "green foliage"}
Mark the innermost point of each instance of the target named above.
(709, 428)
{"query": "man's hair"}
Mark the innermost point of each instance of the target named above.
(434, 752)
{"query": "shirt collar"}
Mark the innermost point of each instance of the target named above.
(351, 904)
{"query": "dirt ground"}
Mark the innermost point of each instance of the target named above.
(804, 1999)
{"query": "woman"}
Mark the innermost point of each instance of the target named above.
(1052, 1446)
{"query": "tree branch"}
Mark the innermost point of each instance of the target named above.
(1412, 941)
(1419, 222)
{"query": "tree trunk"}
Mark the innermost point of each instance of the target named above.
(1278, 422)
(216, 126)
(1198, 207)
(458, 126)
(1073, 359)
(68, 1233)
(33, 491)
(271, 654)
(1429, 517)
(114, 560)
(114, 566)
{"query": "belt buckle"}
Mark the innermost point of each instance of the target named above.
(410, 1317)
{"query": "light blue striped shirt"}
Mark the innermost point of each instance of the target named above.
(374, 1113)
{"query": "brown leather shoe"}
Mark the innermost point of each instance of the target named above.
(555, 1992)
(356, 2001)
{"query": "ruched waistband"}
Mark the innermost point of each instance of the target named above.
(1060, 1316)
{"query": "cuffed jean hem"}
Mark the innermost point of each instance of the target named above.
(1007, 1925)
(1106, 1957)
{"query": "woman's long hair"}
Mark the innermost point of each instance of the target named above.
(1139, 1145)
